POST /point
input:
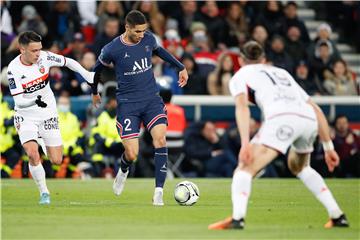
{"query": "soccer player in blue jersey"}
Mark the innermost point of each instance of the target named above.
(138, 96)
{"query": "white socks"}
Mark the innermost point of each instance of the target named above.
(315, 183)
(240, 193)
(38, 174)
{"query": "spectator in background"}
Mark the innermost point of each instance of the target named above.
(11, 52)
(10, 147)
(154, 17)
(347, 145)
(109, 9)
(111, 30)
(260, 34)
(105, 141)
(291, 19)
(31, 21)
(218, 80)
(271, 17)
(202, 49)
(340, 80)
(76, 48)
(63, 22)
(196, 83)
(186, 16)
(278, 56)
(294, 46)
(236, 32)
(87, 12)
(324, 32)
(322, 60)
(306, 79)
(71, 134)
(175, 114)
(202, 145)
(210, 15)
(7, 32)
(88, 60)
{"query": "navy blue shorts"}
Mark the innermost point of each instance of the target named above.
(130, 116)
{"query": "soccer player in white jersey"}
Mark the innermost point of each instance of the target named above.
(291, 118)
(36, 117)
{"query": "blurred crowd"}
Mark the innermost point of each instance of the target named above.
(206, 37)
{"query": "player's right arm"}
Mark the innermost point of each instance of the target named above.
(331, 157)
(17, 91)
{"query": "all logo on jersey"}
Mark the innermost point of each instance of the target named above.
(139, 67)
(143, 64)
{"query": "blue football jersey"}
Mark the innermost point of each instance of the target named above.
(133, 67)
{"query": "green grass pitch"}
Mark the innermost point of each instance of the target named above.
(278, 209)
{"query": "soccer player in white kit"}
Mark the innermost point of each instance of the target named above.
(36, 117)
(291, 118)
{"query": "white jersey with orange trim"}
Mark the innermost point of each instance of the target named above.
(32, 81)
(273, 89)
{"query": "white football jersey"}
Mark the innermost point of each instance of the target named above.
(32, 80)
(272, 89)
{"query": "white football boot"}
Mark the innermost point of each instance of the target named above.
(119, 182)
(158, 197)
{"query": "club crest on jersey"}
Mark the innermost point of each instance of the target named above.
(147, 48)
(42, 69)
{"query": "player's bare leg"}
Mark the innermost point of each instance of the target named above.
(299, 165)
(37, 171)
(129, 156)
(241, 187)
(158, 134)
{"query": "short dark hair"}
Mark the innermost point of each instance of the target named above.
(29, 36)
(135, 17)
(252, 51)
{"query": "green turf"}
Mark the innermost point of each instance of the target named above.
(278, 209)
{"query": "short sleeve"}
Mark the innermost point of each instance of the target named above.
(105, 56)
(14, 82)
(237, 84)
(55, 60)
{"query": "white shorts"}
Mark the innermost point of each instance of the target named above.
(33, 129)
(284, 131)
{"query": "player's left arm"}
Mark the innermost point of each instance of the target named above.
(56, 60)
(166, 56)
(242, 114)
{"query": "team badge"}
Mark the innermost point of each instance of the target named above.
(42, 69)
(284, 132)
(147, 48)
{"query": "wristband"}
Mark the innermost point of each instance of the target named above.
(328, 146)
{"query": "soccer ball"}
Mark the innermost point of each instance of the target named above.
(186, 193)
